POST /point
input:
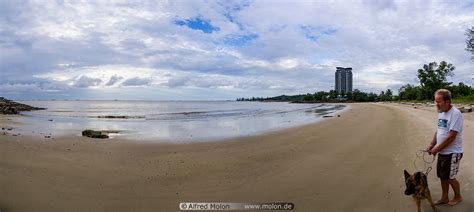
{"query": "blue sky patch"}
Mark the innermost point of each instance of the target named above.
(239, 40)
(232, 9)
(198, 23)
(314, 32)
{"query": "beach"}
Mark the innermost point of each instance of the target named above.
(354, 162)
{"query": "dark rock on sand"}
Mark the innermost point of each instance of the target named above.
(12, 107)
(9, 110)
(94, 134)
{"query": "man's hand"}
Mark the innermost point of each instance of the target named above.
(434, 150)
(451, 136)
(430, 148)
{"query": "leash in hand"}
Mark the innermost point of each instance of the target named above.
(426, 162)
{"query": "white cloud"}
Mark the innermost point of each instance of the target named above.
(290, 47)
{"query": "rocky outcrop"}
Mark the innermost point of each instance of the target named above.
(12, 107)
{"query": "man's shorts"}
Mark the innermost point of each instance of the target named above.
(448, 165)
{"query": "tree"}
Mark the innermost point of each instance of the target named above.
(470, 41)
(460, 90)
(389, 94)
(409, 92)
(433, 76)
(371, 97)
(386, 95)
(332, 94)
(308, 97)
(320, 96)
(349, 96)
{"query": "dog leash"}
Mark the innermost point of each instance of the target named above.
(427, 163)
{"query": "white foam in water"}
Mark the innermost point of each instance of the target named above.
(176, 121)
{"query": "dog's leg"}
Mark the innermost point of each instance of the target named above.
(418, 204)
(428, 196)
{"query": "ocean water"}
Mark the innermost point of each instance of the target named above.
(175, 121)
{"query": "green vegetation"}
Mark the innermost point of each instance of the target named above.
(433, 77)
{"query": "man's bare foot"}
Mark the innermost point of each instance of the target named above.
(442, 202)
(455, 201)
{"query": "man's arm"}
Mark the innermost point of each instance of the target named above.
(451, 136)
(433, 143)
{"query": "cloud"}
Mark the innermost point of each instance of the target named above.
(136, 81)
(113, 79)
(84, 82)
(237, 47)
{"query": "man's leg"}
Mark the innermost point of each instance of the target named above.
(454, 168)
(457, 192)
(442, 171)
(445, 189)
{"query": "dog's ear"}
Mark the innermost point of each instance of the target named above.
(407, 175)
(418, 177)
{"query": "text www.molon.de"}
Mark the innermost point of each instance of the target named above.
(234, 206)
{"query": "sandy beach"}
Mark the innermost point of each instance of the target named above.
(350, 163)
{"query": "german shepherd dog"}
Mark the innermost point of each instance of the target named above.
(417, 186)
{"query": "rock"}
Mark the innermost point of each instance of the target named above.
(94, 134)
(112, 117)
(9, 110)
(12, 107)
(465, 109)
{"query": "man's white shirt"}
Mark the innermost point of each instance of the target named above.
(447, 121)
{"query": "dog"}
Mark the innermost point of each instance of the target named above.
(417, 186)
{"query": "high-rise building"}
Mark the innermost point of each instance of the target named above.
(343, 80)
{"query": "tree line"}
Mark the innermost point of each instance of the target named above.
(432, 76)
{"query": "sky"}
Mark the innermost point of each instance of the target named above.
(222, 50)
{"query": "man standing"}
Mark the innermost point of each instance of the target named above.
(447, 141)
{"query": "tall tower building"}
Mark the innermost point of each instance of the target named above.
(343, 80)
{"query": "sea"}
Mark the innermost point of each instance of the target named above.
(169, 121)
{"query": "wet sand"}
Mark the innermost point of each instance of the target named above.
(350, 163)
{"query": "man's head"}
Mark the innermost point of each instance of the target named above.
(442, 100)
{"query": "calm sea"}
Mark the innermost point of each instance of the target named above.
(176, 121)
